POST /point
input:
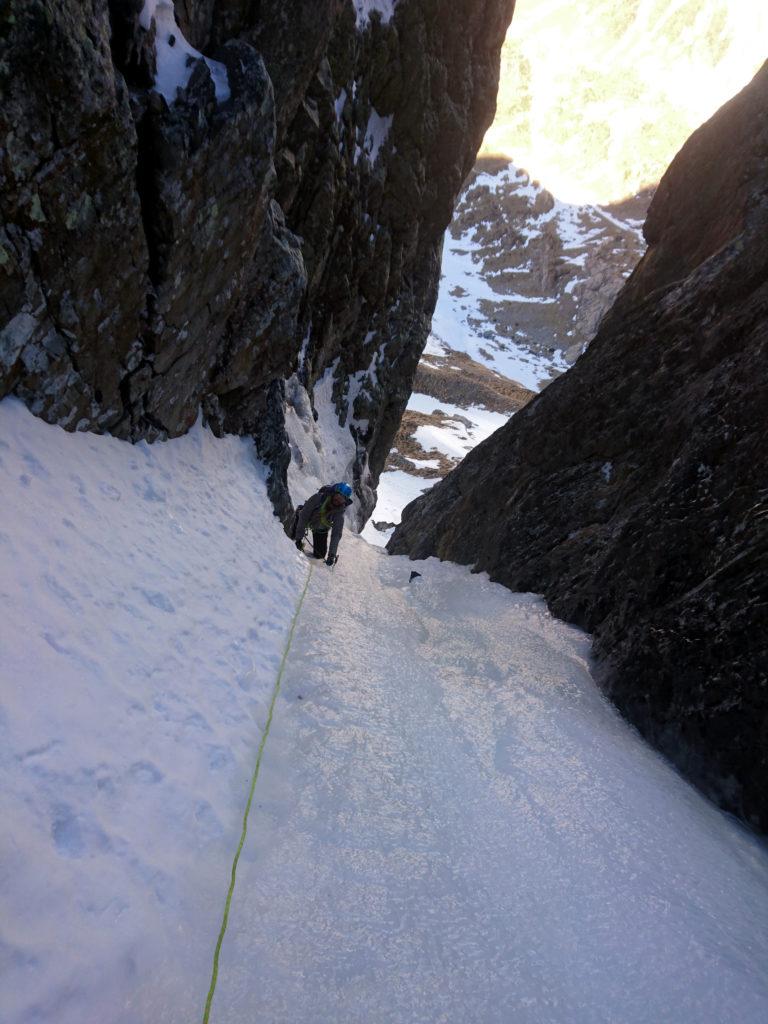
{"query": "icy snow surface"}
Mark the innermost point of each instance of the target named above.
(451, 824)
(175, 56)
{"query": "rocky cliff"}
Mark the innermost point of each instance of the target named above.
(200, 200)
(632, 491)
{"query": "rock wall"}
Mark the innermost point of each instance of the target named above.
(632, 492)
(165, 251)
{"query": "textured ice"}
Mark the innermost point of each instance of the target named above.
(470, 832)
(322, 451)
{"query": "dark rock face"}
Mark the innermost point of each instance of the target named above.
(73, 262)
(158, 257)
(633, 493)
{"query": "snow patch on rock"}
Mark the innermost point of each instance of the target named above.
(365, 8)
(376, 133)
(146, 594)
(175, 56)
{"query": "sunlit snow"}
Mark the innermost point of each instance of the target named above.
(396, 489)
(483, 422)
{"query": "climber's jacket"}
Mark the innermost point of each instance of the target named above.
(318, 514)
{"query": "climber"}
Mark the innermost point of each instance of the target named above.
(322, 512)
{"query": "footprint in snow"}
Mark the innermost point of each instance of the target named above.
(219, 757)
(158, 600)
(196, 721)
(145, 772)
(60, 591)
(38, 751)
(75, 835)
(109, 491)
(207, 819)
(36, 467)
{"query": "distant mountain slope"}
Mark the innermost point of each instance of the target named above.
(596, 98)
(526, 277)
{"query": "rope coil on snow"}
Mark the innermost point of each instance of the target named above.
(264, 735)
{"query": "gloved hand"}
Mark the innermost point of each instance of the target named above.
(330, 561)
(300, 544)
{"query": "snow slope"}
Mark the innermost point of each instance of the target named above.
(396, 489)
(457, 431)
(146, 593)
(458, 438)
(451, 824)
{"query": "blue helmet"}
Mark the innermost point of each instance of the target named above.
(344, 489)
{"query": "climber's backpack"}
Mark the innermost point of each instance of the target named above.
(295, 522)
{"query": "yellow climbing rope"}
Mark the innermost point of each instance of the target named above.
(264, 735)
